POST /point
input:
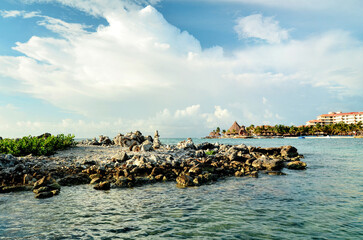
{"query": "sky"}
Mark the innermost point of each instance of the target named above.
(183, 67)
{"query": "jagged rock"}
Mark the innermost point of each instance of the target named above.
(159, 177)
(239, 173)
(95, 180)
(19, 168)
(197, 181)
(146, 146)
(44, 195)
(254, 174)
(105, 140)
(55, 192)
(296, 165)
(184, 180)
(270, 151)
(54, 186)
(8, 189)
(89, 162)
(103, 186)
(251, 149)
(199, 154)
(7, 160)
(27, 179)
(195, 170)
(149, 138)
(208, 177)
(205, 146)
(268, 163)
(275, 173)
(144, 180)
(94, 142)
(120, 157)
(77, 179)
(250, 161)
(242, 148)
(41, 189)
(122, 182)
(10, 157)
(289, 151)
(95, 175)
(131, 144)
(156, 171)
(118, 139)
(188, 144)
(186, 163)
(44, 181)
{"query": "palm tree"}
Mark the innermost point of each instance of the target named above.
(218, 130)
(293, 130)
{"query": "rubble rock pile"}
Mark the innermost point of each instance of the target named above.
(132, 160)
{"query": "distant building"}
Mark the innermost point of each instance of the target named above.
(336, 117)
(236, 129)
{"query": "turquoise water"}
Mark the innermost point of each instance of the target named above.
(323, 202)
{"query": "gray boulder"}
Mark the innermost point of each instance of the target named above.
(120, 157)
(289, 151)
(186, 144)
(146, 146)
(268, 163)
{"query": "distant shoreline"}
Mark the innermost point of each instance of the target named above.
(274, 137)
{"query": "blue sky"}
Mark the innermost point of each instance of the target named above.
(92, 67)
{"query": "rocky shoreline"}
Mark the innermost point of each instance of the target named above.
(133, 160)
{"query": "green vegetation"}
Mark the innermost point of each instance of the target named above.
(331, 129)
(210, 152)
(341, 128)
(42, 145)
(218, 130)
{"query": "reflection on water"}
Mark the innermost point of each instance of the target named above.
(323, 202)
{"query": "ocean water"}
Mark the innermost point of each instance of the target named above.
(323, 202)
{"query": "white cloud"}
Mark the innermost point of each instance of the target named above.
(190, 120)
(16, 13)
(8, 14)
(220, 117)
(335, 5)
(257, 26)
(139, 65)
(189, 111)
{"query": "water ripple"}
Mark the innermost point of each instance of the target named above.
(323, 202)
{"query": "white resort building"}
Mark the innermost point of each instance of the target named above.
(336, 117)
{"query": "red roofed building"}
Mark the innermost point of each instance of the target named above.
(336, 117)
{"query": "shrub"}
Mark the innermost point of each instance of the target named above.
(210, 152)
(36, 145)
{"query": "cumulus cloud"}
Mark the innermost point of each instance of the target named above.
(191, 120)
(257, 26)
(139, 64)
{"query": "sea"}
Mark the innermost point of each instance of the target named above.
(325, 201)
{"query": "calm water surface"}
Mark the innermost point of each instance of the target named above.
(323, 202)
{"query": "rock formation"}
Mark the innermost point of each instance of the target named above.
(135, 160)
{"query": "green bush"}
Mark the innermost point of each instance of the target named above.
(36, 145)
(210, 152)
